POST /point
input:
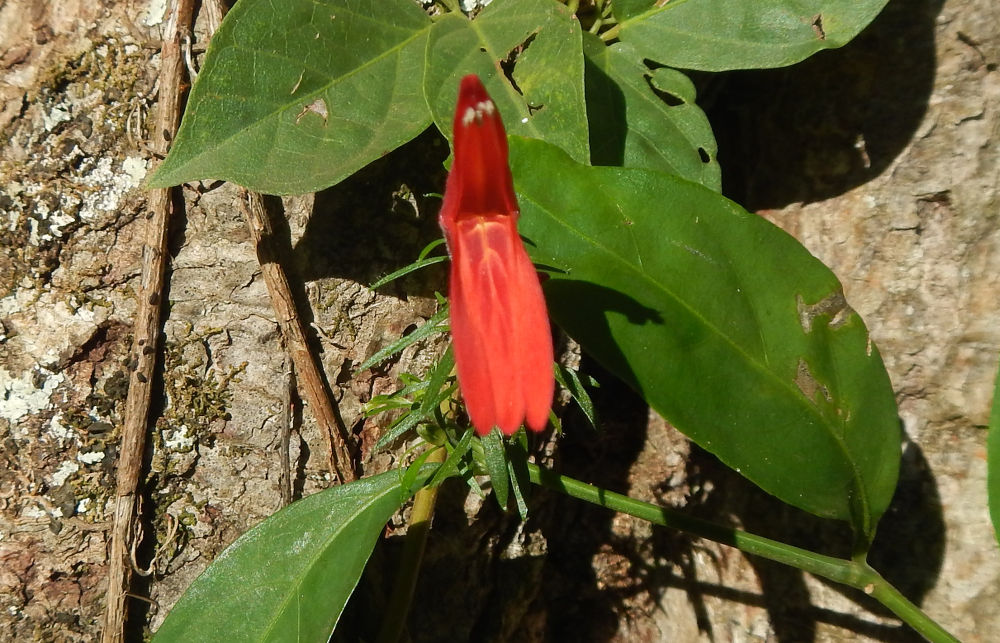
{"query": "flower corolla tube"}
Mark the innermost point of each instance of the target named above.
(499, 323)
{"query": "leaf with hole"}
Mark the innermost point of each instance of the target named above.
(716, 35)
(296, 95)
(724, 323)
(543, 96)
(646, 117)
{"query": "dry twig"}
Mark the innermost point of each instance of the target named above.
(147, 332)
(311, 384)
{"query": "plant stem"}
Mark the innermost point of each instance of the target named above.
(856, 574)
(413, 554)
(611, 33)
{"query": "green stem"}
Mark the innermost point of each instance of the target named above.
(611, 33)
(413, 554)
(848, 572)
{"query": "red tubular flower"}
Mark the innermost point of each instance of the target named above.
(499, 324)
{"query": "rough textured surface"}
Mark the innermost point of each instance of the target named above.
(881, 157)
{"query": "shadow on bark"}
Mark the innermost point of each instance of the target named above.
(908, 550)
(378, 220)
(830, 123)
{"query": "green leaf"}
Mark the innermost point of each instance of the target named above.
(288, 578)
(725, 324)
(436, 393)
(454, 464)
(298, 94)
(546, 99)
(570, 380)
(993, 459)
(624, 9)
(517, 468)
(716, 35)
(405, 270)
(643, 117)
(495, 459)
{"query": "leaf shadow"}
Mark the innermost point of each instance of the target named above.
(605, 116)
(911, 530)
(378, 220)
(581, 308)
(817, 129)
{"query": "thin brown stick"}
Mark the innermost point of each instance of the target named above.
(285, 434)
(307, 372)
(147, 333)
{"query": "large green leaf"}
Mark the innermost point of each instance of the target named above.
(993, 459)
(545, 99)
(724, 323)
(288, 578)
(642, 117)
(715, 35)
(624, 9)
(298, 94)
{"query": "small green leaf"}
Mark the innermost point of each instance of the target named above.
(725, 324)
(993, 459)
(453, 464)
(288, 578)
(570, 381)
(517, 467)
(435, 384)
(716, 35)
(405, 270)
(646, 117)
(433, 325)
(436, 393)
(495, 459)
(416, 470)
(298, 94)
(546, 99)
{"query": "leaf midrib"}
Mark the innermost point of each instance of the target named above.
(756, 365)
(222, 142)
(319, 554)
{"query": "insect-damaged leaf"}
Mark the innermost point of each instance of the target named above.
(296, 95)
(723, 322)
